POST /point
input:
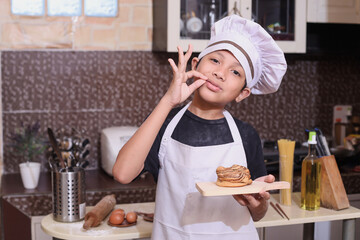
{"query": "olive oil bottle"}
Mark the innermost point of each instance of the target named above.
(310, 177)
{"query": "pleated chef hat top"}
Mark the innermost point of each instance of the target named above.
(257, 52)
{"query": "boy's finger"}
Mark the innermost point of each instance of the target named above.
(195, 85)
(173, 65)
(240, 199)
(180, 57)
(194, 73)
(251, 199)
(188, 53)
(264, 195)
(270, 178)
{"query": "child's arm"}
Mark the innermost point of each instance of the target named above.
(256, 203)
(131, 158)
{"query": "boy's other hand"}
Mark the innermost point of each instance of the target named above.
(257, 203)
(179, 90)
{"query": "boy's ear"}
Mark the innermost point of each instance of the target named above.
(194, 62)
(243, 94)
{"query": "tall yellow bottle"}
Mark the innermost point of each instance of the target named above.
(310, 177)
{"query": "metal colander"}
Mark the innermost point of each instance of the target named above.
(68, 189)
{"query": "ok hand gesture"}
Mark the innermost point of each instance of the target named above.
(179, 90)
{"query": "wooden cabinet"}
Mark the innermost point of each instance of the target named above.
(333, 11)
(36, 231)
(180, 22)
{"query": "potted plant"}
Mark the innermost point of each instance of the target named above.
(28, 144)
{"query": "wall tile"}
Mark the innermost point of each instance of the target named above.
(11, 33)
(99, 21)
(142, 15)
(135, 1)
(64, 7)
(124, 14)
(94, 90)
(28, 7)
(133, 34)
(104, 8)
(82, 37)
(105, 37)
(5, 9)
(49, 33)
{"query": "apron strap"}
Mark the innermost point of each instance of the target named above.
(170, 128)
(230, 120)
(233, 128)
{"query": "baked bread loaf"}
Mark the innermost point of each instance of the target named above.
(234, 176)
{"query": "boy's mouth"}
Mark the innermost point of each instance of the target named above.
(212, 86)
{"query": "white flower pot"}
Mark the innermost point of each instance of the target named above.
(30, 173)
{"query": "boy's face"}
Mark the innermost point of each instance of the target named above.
(226, 78)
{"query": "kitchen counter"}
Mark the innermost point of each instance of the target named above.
(20, 205)
(37, 202)
(143, 229)
(96, 180)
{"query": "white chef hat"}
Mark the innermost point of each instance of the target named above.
(257, 52)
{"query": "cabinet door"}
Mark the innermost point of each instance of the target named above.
(285, 21)
(333, 11)
(36, 231)
(181, 22)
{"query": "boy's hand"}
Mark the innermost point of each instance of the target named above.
(257, 203)
(179, 90)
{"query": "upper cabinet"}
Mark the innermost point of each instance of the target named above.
(333, 11)
(180, 22)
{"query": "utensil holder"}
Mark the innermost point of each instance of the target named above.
(68, 189)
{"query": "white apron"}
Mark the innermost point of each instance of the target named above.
(181, 212)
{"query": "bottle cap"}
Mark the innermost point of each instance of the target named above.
(312, 137)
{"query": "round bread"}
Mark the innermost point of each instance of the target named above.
(234, 176)
(231, 184)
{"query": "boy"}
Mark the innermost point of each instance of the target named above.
(183, 146)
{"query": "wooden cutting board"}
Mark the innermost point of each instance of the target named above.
(211, 189)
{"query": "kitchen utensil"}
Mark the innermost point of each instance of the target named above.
(332, 191)
(211, 189)
(55, 147)
(82, 163)
(68, 189)
(322, 142)
(146, 216)
(282, 211)
(277, 210)
(99, 212)
(52, 164)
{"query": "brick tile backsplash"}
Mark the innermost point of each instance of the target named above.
(93, 90)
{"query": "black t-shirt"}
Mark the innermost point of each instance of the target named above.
(194, 131)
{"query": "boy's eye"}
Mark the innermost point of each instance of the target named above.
(214, 60)
(236, 73)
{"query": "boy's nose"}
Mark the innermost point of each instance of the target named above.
(219, 74)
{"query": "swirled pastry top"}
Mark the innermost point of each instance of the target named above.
(234, 176)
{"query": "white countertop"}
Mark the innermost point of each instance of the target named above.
(300, 216)
(105, 232)
(143, 229)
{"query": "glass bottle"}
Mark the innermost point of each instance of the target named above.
(310, 177)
